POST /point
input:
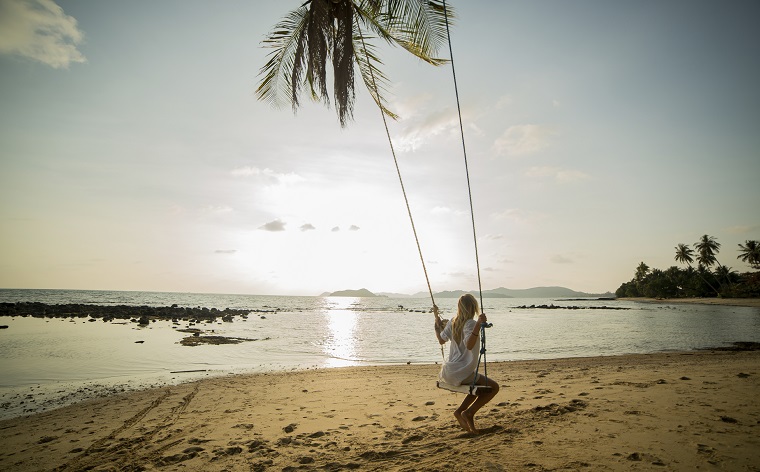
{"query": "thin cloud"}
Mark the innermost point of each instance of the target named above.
(517, 216)
(353, 228)
(335, 229)
(275, 225)
(307, 227)
(742, 229)
(251, 171)
(557, 173)
(41, 31)
(504, 101)
(225, 251)
(560, 259)
(522, 140)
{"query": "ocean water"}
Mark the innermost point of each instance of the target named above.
(51, 362)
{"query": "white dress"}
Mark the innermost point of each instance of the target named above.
(462, 362)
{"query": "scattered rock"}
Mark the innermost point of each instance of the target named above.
(244, 425)
(196, 340)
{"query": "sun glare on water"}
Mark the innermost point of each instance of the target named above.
(340, 344)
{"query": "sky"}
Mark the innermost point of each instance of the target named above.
(134, 154)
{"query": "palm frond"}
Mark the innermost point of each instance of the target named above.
(276, 83)
(419, 26)
(373, 78)
(318, 41)
(343, 62)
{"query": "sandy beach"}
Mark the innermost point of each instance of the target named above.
(748, 302)
(666, 411)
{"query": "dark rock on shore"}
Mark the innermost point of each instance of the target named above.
(560, 307)
(142, 315)
(197, 340)
(737, 346)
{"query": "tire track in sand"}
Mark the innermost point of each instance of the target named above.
(127, 450)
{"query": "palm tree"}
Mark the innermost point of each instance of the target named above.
(641, 272)
(342, 30)
(685, 255)
(707, 247)
(727, 272)
(750, 253)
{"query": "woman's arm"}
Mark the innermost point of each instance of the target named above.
(438, 329)
(472, 338)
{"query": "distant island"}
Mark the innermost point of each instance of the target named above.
(501, 292)
(362, 292)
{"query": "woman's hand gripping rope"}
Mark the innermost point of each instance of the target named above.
(439, 325)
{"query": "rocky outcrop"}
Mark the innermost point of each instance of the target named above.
(141, 315)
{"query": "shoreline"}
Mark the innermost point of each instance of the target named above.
(745, 302)
(677, 410)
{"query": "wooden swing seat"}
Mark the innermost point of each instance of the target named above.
(467, 389)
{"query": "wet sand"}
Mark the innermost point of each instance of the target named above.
(666, 411)
(748, 302)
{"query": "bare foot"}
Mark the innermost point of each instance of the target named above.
(462, 421)
(470, 423)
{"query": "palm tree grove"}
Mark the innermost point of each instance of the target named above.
(708, 278)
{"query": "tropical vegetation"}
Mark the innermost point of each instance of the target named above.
(709, 278)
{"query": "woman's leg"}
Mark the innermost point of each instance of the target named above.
(469, 413)
(468, 400)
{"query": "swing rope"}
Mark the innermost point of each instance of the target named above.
(464, 151)
(400, 180)
(483, 326)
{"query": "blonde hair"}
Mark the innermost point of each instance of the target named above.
(466, 310)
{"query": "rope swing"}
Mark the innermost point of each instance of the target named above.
(472, 388)
(463, 388)
(464, 152)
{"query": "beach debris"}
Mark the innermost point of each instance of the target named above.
(3, 326)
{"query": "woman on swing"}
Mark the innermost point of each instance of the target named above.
(461, 367)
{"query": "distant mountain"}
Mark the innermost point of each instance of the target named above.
(543, 292)
(501, 292)
(362, 292)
